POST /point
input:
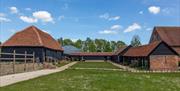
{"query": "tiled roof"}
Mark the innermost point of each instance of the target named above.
(92, 54)
(142, 51)
(170, 35)
(33, 37)
(120, 50)
(177, 49)
(68, 49)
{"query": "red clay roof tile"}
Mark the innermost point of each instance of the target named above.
(33, 37)
(142, 51)
(170, 35)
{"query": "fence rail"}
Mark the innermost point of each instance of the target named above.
(26, 59)
(16, 54)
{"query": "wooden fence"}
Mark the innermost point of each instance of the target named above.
(10, 60)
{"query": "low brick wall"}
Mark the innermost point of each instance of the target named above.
(164, 62)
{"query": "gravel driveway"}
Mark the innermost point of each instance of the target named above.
(14, 78)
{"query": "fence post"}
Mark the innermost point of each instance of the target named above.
(0, 62)
(25, 56)
(14, 60)
(33, 59)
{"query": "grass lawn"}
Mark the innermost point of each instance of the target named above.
(94, 65)
(99, 80)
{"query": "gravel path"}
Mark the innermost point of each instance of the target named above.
(14, 78)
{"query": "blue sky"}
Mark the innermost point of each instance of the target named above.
(78, 19)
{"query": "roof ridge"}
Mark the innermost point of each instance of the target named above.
(39, 38)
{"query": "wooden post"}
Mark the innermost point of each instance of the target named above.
(25, 56)
(14, 60)
(0, 61)
(47, 59)
(141, 62)
(33, 60)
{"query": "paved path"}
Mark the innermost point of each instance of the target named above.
(14, 78)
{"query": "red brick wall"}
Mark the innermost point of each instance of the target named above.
(163, 62)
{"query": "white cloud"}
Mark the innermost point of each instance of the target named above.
(141, 12)
(114, 18)
(148, 29)
(170, 11)
(28, 9)
(133, 27)
(112, 30)
(154, 9)
(44, 16)
(2, 15)
(28, 19)
(107, 32)
(61, 17)
(106, 16)
(116, 27)
(13, 10)
(4, 19)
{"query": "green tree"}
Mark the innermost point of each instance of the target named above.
(90, 45)
(120, 44)
(107, 47)
(78, 44)
(84, 46)
(96, 45)
(67, 42)
(113, 45)
(99, 45)
(135, 41)
(60, 40)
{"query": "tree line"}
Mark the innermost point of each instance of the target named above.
(98, 45)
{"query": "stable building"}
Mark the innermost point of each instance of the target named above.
(33, 40)
(157, 55)
(68, 49)
(91, 56)
(118, 54)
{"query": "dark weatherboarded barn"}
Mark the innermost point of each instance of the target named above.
(32, 39)
(118, 54)
(157, 55)
(170, 35)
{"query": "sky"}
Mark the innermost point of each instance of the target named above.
(79, 19)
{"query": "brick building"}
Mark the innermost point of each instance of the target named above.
(162, 52)
(157, 55)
